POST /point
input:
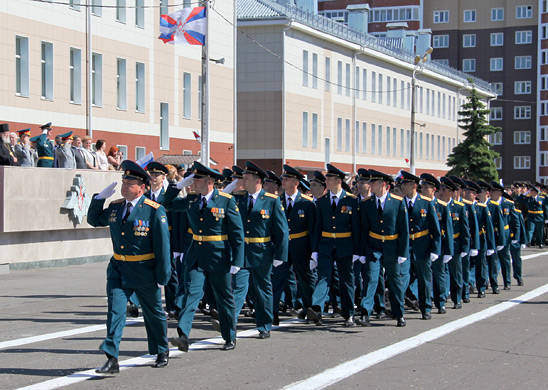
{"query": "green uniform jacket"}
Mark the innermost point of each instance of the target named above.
(446, 226)
(521, 232)
(423, 217)
(472, 224)
(510, 219)
(145, 233)
(345, 221)
(461, 227)
(44, 148)
(266, 221)
(498, 222)
(485, 227)
(535, 209)
(301, 222)
(218, 239)
(392, 223)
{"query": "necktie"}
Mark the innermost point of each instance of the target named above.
(129, 207)
(250, 205)
(379, 207)
(204, 203)
(153, 197)
(333, 204)
(289, 206)
(410, 207)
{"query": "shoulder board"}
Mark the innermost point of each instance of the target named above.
(459, 203)
(481, 204)
(442, 202)
(225, 194)
(466, 201)
(151, 203)
(396, 197)
(307, 197)
(509, 201)
(426, 198)
(271, 195)
(493, 202)
(518, 210)
(118, 201)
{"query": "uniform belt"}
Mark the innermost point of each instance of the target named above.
(45, 158)
(383, 238)
(456, 235)
(220, 237)
(146, 256)
(511, 235)
(423, 233)
(482, 231)
(298, 235)
(336, 235)
(256, 240)
(535, 212)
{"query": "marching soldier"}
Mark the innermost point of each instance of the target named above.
(364, 193)
(272, 183)
(317, 185)
(336, 238)
(266, 245)
(44, 147)
(385, 243)
(217, 250)
(141, 262)
(518, 240)
(425, 239)
(535, 216)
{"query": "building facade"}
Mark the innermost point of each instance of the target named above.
(542, 91)
(311, 91)
(145, 95)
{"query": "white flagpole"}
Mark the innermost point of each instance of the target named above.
(205, 94)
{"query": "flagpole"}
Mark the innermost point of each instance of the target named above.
(205, 94)
(89, 129)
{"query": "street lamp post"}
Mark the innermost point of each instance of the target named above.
(419, 60)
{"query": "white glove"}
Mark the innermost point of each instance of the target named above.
(401, 259)
(181, 258)
(229, 188)
(234, 270)
(362, 259)
(277, 263)
(107, 192)
(45, 131)
(313, 264)
(447, 258)
(490, 252)
(499, 248)
(546, 221)
(185, 182)
(159, 285)
(473, 252)
(523, 246)
(433, 257)
(514, 241)
(314, 256)
(463, 254)
(355, 258)
(176, 255)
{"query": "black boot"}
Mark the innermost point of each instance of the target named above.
(110, 367)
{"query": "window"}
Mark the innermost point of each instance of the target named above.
(339, 134)
(394, 141)
(96, 8)
(364, 81)
(427, 150)
(543, 156)
(524, 37)
(305, 68)
(388, 95)
(373, 144)
(469, 15)
(21, 66)
(544, 57)
(387, 141)
(314, 131)
(123, 150)
(522, 162)
(402, 94)
(469, 65)
(498, 162)
(139, 13)
(497, 39)
(544, 82)
(140, 87)
(544, 133)
(187, 95)
(379, 149)
(380, 88)
(469, 40)
(121, 102)
(440, 41)
(364, 137)
(439, 104)
(339, 77)
(402, 143)
(327, 73)
(164, 9)
(442, 61)
(314, 70)
(441, 16)
(544, 31)
(427, 101)
(544, 108)
(498, 88)
(443, 106)
(524, 11)
(347, 80)
(495, 114)
(408, 101)
(140, 152)
(47, 70)
(522, 112)
(394, 92)
(522, 137)
(97, 79)
(164, 126)
(522, 62)
(496, 64)
(347, 136)
(374, 87)
(74, 4)
(439, 149)
(305, 130)
(75, 69)
(121, 11)
(497, 14)
(522, 87)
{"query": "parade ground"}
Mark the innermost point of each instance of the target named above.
(53, 320)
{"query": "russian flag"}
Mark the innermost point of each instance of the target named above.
(187, 26)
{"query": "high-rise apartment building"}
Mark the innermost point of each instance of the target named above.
(542, 91)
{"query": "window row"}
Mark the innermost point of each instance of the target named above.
(521, 137)
(524, 37)
(497, 14)
(496, 64)
(520, 162)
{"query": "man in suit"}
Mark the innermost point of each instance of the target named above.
(79, 156)
(64, 155)
(336, 239)
(141, 262)
(45, 148)
(266, 245)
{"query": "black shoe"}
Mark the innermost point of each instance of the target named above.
(466, 300)
(426, 316)
(401, 322)
(229, 346)
(496, 291)
(506, 287)
(110, 367)
(481, 294)
(276, 320)
(520, 282)
(264, 335)
(349, 322)
(383, 316)
(132, 310)
(180, 342)
(473, 290)
(412, 304)
(216, 324)
(161, 360)
(442, 310)
(457, 306)
(172, 315)
(314, 316)
(301, 315)
(363, 320)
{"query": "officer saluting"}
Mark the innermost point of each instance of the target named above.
(141, 261)
(44, 147)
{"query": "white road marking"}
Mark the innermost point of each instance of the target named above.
(144, 360)
(532, 256)
(351, 367)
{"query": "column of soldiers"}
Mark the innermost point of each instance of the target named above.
(246, 238)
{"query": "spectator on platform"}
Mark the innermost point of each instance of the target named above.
(172, 174)
(114, 158)
(89, 153)
(79, 153)
(23, 151)
(6, 156)
(13, 142)
(64, 155)
(102, 161)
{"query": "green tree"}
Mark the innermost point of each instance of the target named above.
(473, 158)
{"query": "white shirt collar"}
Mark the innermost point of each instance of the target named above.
(156, 193)
(292, 197)
(413, 199)
(338, 194)
(383, 199)
(134, 201)
(208, 195)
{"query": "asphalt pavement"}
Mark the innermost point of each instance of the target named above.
(52, 322)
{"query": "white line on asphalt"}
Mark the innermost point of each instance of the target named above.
(531, 256)
(352, 367)
(143, 360)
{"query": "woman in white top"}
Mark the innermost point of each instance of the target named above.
(102, 161)
(89, 154)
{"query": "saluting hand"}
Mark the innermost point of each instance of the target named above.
(186, 181)
(107, 192)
